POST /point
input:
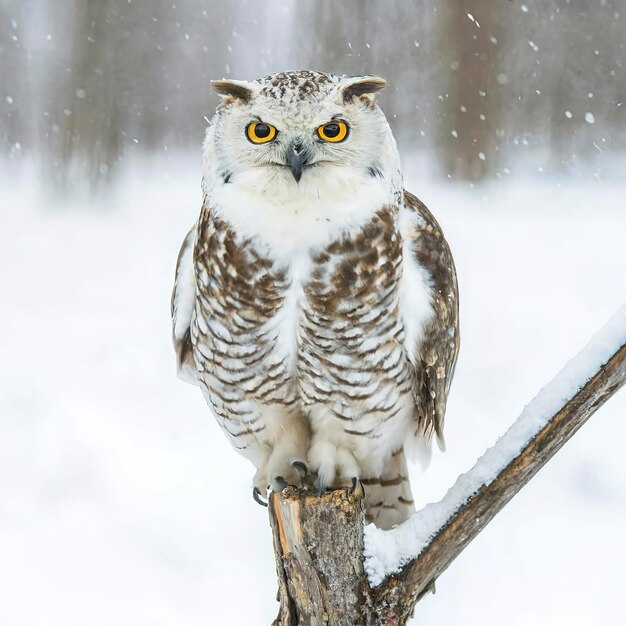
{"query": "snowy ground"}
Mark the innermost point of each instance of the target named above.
(122, 503)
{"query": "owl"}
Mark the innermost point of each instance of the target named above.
(315, 301)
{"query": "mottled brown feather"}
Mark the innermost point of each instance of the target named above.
(440, 345)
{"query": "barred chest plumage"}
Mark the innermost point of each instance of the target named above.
(315, 300)
(318, 337)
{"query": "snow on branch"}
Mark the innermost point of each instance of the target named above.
(556, 413)
(334, 571)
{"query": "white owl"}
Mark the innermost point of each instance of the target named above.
(315, 301)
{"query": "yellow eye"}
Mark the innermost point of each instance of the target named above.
(259, 132)
(334, 131)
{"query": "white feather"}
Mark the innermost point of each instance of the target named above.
(291, 218)
(415, 288)
(183, 303)
(185, 287)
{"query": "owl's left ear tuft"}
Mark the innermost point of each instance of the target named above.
(363, 87)
(232, 90)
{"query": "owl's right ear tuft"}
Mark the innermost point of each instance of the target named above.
(232, 90)
(363, 87)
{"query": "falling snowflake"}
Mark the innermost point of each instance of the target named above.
(473, 19)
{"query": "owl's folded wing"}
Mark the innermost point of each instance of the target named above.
(183, 301)
(437, 352)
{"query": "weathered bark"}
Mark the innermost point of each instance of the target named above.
(318, 540)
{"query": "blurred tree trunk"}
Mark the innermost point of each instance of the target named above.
(14, 102)
(85, 141)
(471, 38)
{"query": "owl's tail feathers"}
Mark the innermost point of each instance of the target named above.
(388, 498)
(419, 447)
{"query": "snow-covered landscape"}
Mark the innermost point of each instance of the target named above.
(122, 503)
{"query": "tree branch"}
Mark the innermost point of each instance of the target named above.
(479, 510)
(319, 540)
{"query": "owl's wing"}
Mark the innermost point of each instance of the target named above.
(183, 302)
(437, 352)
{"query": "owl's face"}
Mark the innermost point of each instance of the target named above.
(300, 130)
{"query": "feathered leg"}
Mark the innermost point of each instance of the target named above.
(388, 498)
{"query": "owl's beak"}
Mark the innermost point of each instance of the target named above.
(297, 157)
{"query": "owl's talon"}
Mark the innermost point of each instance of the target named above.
(357, 488)
(320, 488)
(302, 468)
(256, 494)
(280, 482)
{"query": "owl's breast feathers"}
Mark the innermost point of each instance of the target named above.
(351, 353)
(332, 334)
(239, 295)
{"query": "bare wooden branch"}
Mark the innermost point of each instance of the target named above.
(319, 539)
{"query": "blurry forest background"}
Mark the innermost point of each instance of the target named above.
(121, 502)
(483, 88)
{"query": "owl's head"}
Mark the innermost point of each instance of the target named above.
(299, 130)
